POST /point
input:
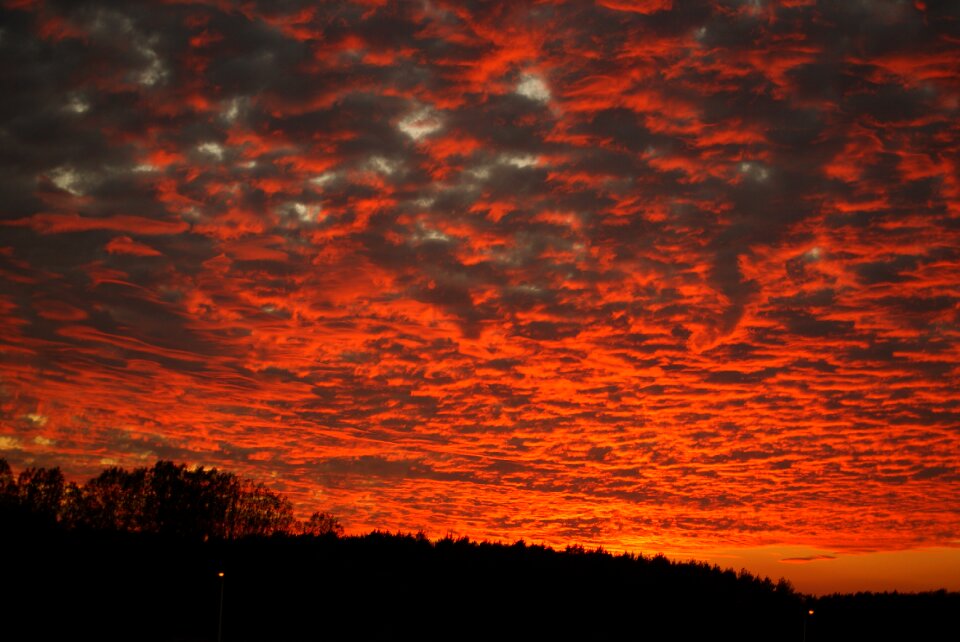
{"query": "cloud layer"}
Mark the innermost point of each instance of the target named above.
(636, 274)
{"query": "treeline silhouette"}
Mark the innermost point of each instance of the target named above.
(168, 499)
(129, 578)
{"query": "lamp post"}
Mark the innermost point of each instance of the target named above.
(805, 618)
(220, 619)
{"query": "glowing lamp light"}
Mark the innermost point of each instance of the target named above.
(220, 615)
(810, 612)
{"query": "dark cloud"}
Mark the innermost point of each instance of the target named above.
(808, 558)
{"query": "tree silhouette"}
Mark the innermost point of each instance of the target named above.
(114, 500)
(321, 523)
(40, 492)
(8, 489)
(168, 499)
(187, 503)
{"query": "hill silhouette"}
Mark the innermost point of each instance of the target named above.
(68, 576)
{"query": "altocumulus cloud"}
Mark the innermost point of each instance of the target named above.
(673, 272)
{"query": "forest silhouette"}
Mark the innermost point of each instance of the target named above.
(148, 554)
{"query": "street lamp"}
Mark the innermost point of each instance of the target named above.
(809, 615)
(220, 619)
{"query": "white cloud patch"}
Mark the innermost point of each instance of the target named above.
(481, 172)
(155, 71)
(533, 87)
(420, 123)
(426, 234)
(526, 289)
(109, 25)
(425, 202)
(303, 212)
(324, 179)
(519, 160)
(67, 179)
(754, 170)
(383, 165)
(232, 110)
(211, 149)
(77, 105)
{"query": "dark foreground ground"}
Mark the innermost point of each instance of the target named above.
(62, 585)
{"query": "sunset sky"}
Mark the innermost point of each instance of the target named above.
(658, 276)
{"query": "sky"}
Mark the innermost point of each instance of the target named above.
(657, 276)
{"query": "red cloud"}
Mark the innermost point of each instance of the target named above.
(632, 274)
(126, 245)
